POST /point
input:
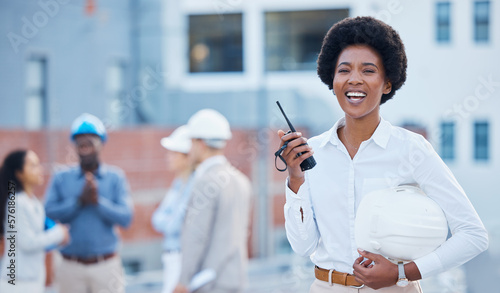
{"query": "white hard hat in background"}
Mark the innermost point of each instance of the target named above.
(400, 223)
(209, 124)
(178, 141)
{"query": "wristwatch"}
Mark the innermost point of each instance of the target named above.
(402, 280)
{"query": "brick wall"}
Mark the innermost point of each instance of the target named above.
(139, 153)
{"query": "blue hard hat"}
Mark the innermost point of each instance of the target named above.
(88, 124)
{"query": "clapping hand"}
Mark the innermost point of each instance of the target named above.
(89, 194)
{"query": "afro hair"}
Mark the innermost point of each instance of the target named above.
(373, 33)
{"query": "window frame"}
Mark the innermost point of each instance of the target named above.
(448, 140)
(443, 22)
(36, 94)
(482, 22)
(481, 150)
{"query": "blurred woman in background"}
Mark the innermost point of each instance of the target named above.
(23, 261)
(169, 216)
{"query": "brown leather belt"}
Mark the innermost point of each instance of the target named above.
(89, 260)
(336, 277)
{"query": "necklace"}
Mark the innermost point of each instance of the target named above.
(345, 137)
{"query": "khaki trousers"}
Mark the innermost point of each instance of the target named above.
(102, 277)
(323, 287)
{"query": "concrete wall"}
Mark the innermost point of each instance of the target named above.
(79, 47)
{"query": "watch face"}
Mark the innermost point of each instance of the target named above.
(402, 282)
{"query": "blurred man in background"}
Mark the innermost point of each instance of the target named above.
(93, 198)
(216, 227)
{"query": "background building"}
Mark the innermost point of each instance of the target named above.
(145, 66)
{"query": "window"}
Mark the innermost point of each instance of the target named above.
(448, 140)
(115, 84)
(215, 43)
(415, 127)
(443, 22)
(482, 21)
(131, 266)
(481, 141)
(293, 39)
(36, 93)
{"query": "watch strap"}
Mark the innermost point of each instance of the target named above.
(401, 269)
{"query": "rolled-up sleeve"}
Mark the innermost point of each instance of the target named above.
(300, 224)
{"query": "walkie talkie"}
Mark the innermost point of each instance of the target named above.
(307, 164)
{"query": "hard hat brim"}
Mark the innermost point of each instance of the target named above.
(175, 146)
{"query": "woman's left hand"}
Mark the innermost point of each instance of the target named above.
(376, 271)
(180, 289)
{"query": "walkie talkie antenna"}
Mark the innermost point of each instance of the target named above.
(307, 164)
(286, 118)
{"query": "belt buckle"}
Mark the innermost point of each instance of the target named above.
(100, 258)
(330, 277)
(357, 287)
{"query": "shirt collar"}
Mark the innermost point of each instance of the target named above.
(208, 163)
(380, 136)
(98, 172)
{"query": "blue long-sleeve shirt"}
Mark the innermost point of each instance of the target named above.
(91, 226)
(169, 216)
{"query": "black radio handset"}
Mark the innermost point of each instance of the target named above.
(307, 164)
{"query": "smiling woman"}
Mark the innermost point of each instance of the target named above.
(363, 61)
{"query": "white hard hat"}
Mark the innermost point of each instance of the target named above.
(400, 223)
(88, 124)
(178, 141)
(209, 124)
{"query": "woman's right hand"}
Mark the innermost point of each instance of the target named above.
(66, 238)
(296, 144)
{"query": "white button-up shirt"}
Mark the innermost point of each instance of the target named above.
(332, 191)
